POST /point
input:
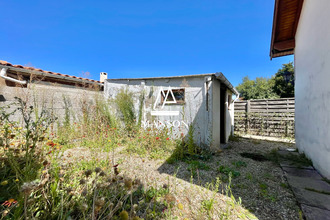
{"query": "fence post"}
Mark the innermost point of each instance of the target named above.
(276, 119)
(248, 109)
(267, 117)
(287, 117)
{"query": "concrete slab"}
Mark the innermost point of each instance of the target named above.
(292, 171)
(313, 213)
(308, 182)
(311, 198)
(311, 192)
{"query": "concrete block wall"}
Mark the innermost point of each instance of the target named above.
(50, 97)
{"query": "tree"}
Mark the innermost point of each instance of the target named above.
(279, 86)
(284, 81)
(260, 88)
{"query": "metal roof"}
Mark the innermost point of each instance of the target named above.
(218, 76)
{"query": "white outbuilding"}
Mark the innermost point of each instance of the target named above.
(203, 102)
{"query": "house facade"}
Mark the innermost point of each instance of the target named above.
(203, 102)
(302, 28)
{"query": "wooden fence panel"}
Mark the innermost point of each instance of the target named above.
(266, 117)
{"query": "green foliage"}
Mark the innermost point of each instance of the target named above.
(263, 186)
(195, 165)
(155, 193)
(284, 185)
(260, 88)
(234, 138)
(228, 171)
(152, 143)
(249, 176)
(32, 173)
(208, 205)
(21, 154)
(265, 192)
(279, 86)
(187, 149)
(191, 146)
(298, 159)
(239, 164)
(103, 115)
(284, 81)
(142, 97)
(125, 105)
(318, 191)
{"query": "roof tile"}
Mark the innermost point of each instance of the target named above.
(5, 63)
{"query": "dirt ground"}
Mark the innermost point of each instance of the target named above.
(259, 187)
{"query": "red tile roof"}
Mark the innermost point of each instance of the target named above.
(5, 63)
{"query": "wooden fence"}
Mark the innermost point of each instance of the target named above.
(266, 117)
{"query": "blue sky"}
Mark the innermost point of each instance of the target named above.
(141, 38)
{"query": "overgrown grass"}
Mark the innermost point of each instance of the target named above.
(36, 183)
(125, 106)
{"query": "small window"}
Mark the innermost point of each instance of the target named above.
(178, 95)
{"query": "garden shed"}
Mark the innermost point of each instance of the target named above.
(201, 103)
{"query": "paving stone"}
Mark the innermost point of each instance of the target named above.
(311, 198)
(313, 213)
(307, 182)
(307, 185)
(292, 164)
(292, 171)
(284, 152)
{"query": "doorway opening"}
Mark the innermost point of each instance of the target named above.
(222, 114)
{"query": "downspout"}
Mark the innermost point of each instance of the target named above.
(237, 97)
(3, 74)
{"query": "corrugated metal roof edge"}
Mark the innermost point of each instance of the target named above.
(218, 75)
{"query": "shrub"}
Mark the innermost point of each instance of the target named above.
(228, 171)
(125, 105)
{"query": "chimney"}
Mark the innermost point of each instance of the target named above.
(103, 76)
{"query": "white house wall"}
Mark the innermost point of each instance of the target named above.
(192, 112)
(312, 87)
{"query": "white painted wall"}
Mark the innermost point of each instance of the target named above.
(229, 114)
(312, 87)
(192, 112)
(206, 122)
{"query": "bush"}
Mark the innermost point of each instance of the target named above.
(125, 105)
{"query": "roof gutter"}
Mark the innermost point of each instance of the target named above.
(46, 74)
(224, 80)
(3, 74)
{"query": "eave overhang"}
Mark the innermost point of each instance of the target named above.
(285, 23)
